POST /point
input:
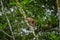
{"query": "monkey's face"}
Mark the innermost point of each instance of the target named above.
(31, 21)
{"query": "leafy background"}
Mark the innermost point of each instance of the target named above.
(43, 11)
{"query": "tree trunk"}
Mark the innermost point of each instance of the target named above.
(58, 7)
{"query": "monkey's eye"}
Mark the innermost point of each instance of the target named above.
(32, 22)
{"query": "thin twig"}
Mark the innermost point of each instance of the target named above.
(10, 27)
(8, 21)
(6, 33)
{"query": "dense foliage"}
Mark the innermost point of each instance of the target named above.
(44, 12)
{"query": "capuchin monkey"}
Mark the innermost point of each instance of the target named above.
(31, 21)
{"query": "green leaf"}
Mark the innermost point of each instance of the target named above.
(13, 3)
(27, 1)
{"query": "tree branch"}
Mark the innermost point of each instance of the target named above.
(8, 21)
(58, 8)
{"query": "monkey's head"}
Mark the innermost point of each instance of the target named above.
(31, 21)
